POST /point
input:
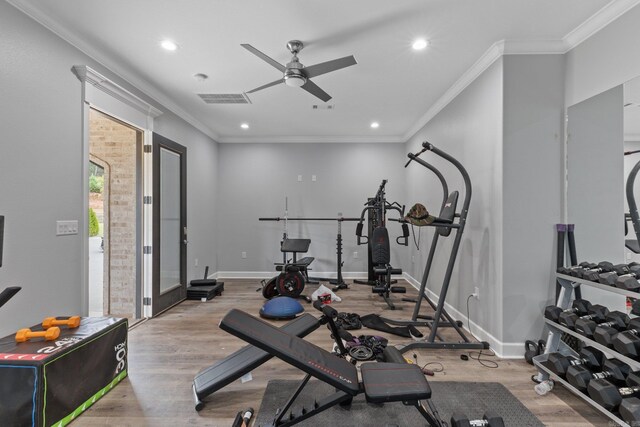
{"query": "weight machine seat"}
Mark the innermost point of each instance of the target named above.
(300, 265)
(305, 261)
(393, 382)
(381, 271)
(232, 367)
(295, 245)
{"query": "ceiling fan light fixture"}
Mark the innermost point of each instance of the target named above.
(294, 77)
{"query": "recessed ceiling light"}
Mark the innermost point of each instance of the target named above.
(244, 126)
(375, 125)
(169, 45)
(420, 44)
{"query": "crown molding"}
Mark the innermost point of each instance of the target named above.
(113, 65)
(534, 47)
(312, 139)
(492, 54)
(598, 21)
(90, 76)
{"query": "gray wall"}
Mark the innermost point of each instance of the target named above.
(41, 171)
(606, 59)
(470, 129)
(256, 178)
(595, 165)
(532, 190)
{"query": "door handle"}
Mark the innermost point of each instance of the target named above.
(185, 241)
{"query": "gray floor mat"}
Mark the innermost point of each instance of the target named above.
(470, 398)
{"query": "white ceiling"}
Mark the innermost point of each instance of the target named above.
(391, 83)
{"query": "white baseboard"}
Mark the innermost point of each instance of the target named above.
(512, 350)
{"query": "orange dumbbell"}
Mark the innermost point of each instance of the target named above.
(26, 334)
(71, 323)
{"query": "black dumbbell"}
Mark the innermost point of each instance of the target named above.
(629, 281)
(588, 273)
(589, 356)
(582, 266)
(597, 313)
(613, 370)
(635, 308)
(593, 274)
(628, 342)
(579, 306)
(606, 332)
(615, 319)
(630, 410)
(610, 277)
(489, 419)
(609, 396)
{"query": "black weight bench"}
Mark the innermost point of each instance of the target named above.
(243, 361)
(381, 382)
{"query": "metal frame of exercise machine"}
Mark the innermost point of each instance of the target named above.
(441, 317)
(8, 293)
(633, 245)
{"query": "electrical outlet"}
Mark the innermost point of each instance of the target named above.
(313, 178)
(355, 255)
(413, 259)
(196, 262)
(244, 255)
(65, 228)
(299, 178)
(476, 292)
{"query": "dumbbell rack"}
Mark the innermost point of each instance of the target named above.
(555, 344)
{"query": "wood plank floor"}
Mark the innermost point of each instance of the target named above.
(165, 354)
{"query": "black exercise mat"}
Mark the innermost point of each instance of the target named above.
(472, 399)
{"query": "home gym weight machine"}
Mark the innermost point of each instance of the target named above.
(379, 251)
(293, 273)
(447, 221)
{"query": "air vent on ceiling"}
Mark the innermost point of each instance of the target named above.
(323, 107)
(225, 98)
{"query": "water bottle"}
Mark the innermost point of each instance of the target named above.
(544, 387)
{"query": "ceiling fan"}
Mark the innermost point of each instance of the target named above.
(297, 75)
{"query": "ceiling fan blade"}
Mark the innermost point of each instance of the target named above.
(314, 90)
(264, 57)
(267, 85)
(327, 67)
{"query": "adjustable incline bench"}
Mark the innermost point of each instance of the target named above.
(381, 382)
(243, 361)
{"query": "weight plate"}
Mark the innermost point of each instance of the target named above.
(290, 283)
(361, 352)
(269, 289)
